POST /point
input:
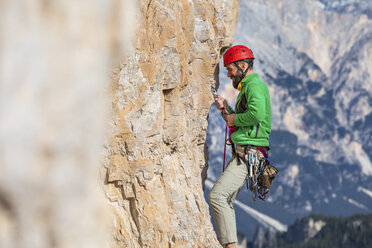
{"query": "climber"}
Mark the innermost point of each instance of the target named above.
(252, 119)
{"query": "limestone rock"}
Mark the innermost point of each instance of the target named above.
(55, 59)
(55, 63)
(161, 97)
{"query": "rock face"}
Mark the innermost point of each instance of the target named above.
(155, 153)
(54, 62)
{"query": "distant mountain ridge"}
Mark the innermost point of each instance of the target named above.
(315, 57)
(347, 6)
(318, 231)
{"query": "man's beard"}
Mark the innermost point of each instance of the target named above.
(237, 78)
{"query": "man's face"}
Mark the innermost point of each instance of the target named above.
(233, 73)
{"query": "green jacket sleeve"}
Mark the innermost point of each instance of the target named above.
(255, 112)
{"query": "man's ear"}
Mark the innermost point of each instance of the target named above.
(243, 65)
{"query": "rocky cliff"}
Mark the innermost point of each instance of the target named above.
(155, 156)
(55, 63)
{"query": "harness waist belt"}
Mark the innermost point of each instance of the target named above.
(243, 149)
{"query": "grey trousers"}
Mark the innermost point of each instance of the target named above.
(221, 199)
(222, 196)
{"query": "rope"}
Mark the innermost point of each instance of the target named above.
(224, 150)
(231, 130)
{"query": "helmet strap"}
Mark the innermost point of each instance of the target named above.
(235, 84)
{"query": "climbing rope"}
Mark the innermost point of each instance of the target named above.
(227, 140)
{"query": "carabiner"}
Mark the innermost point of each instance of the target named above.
(254, 194)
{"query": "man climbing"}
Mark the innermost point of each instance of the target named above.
(252, 120)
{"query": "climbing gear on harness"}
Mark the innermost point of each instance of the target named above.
(261, 173)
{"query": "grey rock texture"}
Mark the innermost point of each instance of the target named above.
(57, 109)
(54, 62)
(155, 151)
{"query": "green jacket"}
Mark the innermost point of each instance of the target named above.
(253, 119)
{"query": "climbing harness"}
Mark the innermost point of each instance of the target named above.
(260, 172)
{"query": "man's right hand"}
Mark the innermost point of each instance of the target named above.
(220, 102)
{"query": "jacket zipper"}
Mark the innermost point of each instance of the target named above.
(257, 127)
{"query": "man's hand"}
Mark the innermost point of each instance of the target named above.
(230, 120)
(220, 102)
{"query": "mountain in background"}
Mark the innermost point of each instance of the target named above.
(318, 231)
(316, 59)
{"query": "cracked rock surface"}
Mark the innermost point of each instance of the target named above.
(155, 156)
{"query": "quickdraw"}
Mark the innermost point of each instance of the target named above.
(256, 167)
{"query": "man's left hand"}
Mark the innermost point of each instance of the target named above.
(230, 120)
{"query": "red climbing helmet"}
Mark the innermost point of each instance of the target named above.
(237, 53)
